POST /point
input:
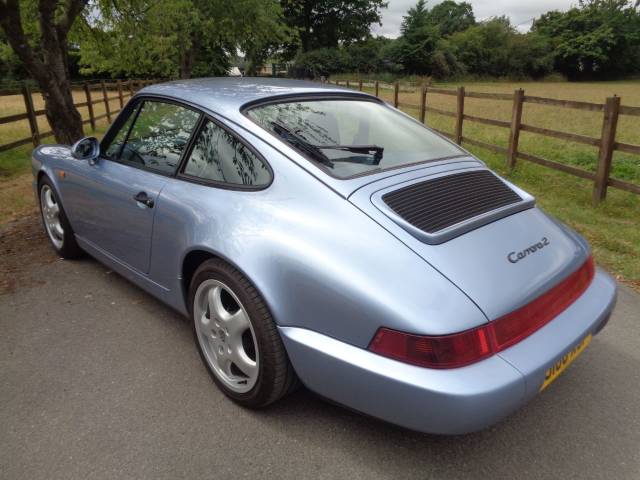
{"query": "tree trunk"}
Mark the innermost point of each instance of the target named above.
(51, 69)
(305, 33)
(63, 116)
(188, 57)
(186, 63)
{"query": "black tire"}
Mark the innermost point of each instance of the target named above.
(276, 376)
(69, 248)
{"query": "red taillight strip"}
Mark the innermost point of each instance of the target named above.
(470, 346)
(519, 324)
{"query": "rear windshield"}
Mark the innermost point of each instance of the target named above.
(352, 137)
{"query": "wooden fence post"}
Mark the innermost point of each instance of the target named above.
(130, 88)
(106, 101)
(396, 89)
(92, 119)
(459, 115)
(33, 120)
(423, 103)
(514, 132)
(348, 84)
(120, 97)
(377, 88)
(360, 85)
(607, 142)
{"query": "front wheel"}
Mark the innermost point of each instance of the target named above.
(237, 337)
(55, 222)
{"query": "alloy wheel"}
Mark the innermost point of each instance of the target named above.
(51, 216)
(226, 336)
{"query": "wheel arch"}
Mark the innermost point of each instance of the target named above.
(195, 257)
(190, 263)
(41, 173)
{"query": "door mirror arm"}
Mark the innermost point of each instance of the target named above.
(87, 148)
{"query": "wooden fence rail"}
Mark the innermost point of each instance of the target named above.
(606, 143)
(100, 88)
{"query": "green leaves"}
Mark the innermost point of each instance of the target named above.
(599, 38)
(170, 38)
(329, 23)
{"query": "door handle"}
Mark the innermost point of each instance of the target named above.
(143, 198)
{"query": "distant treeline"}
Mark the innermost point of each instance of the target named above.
(597, 39)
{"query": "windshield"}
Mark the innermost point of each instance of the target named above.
(352, 137)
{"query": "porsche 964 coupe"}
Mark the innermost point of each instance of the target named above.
(317, 235)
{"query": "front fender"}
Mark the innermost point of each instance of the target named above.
(47, 160)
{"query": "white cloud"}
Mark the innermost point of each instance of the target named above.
(521, 12)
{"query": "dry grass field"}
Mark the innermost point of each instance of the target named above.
(613, 228)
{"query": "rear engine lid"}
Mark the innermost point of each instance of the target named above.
(439, 208)
(481, 232)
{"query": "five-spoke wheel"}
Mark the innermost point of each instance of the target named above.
(226, 335)
(55, 221)
(51, 216)
(237, 337)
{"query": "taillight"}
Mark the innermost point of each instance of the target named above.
(464, 348)
(521, 323)
(446, 351)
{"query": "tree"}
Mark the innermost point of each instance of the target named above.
(415, 47)
(452, 17)
(319, 62)
(168, 38)
(598, 38)
(136, 37)
(415, 19)
(42, 47)
(366, 56)
(495, 48)
(483, 48)
(328, 23)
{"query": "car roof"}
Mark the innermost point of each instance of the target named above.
(227, 95)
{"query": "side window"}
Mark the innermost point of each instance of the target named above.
(220, 156)
(159, 135)
(114, 147)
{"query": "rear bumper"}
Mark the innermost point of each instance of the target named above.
(451, 401)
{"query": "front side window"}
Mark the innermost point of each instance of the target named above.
(159, 135)
(351, 137)
(113, 150)
(220, 156)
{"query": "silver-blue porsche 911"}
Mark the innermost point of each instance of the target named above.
(315, 234)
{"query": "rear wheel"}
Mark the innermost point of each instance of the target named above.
(55, 221)
(237, 337)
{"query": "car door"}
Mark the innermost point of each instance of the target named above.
(115, 197)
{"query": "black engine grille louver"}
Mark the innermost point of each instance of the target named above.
(436, 204)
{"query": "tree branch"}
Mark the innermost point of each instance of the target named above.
(74, 8)
(12, 25)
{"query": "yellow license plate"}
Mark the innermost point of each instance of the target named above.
(562, 364)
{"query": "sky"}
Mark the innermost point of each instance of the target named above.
(521, 12)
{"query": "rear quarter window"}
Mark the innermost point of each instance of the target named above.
(220, 156)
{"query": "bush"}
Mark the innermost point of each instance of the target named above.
(321, 62)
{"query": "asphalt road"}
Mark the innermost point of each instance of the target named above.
(100, 381)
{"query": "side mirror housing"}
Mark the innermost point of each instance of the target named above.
(87, 148)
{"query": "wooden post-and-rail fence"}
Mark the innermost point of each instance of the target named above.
(31, 114)
(606, 144)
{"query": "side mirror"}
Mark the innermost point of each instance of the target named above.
(87, 148)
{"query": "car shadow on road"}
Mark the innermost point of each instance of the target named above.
(586, 425)
(580, 427)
